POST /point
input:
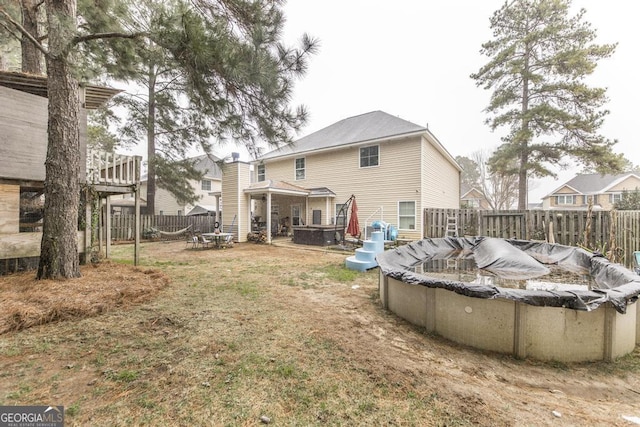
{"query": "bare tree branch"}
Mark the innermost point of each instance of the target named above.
(89, 37)
(24, 32)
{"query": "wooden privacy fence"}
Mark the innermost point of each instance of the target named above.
(599, 230)
(122, 226)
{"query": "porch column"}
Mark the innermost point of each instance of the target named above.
(306, 210)
(218, 210)
(107, 226)
(136, 226)
(268, 217)
(327, 209)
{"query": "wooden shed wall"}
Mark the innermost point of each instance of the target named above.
(23, 136)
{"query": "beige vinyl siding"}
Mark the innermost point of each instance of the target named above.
(396, 178)
(566, 190)
(23, 132)
(166, 203)
(441, 179)
(203, 195)
(9, 208)
(629, 184)
(236, 177)
(23, 136)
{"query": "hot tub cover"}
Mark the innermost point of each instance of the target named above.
(517, 259)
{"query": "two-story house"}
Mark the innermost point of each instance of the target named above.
(393, 167)
(602, 190)
(472, 198)
(207, 190)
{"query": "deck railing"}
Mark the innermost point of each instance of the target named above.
(112, 169)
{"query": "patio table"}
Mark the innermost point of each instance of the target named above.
(217, 238)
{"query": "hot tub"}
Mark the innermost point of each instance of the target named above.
(528, 299)
(317, 235)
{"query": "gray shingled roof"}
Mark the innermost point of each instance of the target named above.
(593, 182)
(208, 166)
(205, 164)
(365, 127)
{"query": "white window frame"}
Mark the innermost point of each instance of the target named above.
(205, 183)
(369, 156)
(261, 173)
(296, 220)
(561, 199)
(615, 197)
(300, 173)
(472, 203)
(404, 216)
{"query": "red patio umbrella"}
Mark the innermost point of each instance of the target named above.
(354, 226)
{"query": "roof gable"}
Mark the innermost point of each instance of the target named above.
(207, 164)
(371, 126)
(593, 183)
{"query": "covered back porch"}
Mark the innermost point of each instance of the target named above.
(281, 209)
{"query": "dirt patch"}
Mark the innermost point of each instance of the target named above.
(286, 333)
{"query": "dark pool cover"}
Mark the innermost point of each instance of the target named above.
(518, 259)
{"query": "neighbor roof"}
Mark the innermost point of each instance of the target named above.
(207, 164)
(593, 183)
(365, 127)
(95, 96)
(201, 209)
(204, 163)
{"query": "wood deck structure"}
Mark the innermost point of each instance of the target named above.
(23, 148)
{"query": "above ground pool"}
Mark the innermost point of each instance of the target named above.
(528, 299)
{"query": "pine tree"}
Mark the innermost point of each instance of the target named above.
(538, 61)
(236, 76)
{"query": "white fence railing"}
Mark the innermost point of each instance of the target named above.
(112, 168)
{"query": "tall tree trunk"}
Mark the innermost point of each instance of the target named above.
(151, 143)
(59, 247)
(31, 56)
(524, 143)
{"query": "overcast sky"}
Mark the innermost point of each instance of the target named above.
(413, 58)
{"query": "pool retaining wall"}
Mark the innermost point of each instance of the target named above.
(516, 328)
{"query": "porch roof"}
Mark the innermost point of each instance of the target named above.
(321, 192)
(276, 187)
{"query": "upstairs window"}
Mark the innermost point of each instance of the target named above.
(261, 172)
(472, 203)
(205, 185)
(300, 169)
(369, 156)
(566, 200)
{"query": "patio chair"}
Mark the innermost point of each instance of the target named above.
(192, 240)
(203, 241)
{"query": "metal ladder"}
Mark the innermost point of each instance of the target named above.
(452, 227)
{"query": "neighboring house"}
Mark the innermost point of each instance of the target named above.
(208, 190)
(23, 149)
(472, 198)
(603, 190)
(394, 168)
